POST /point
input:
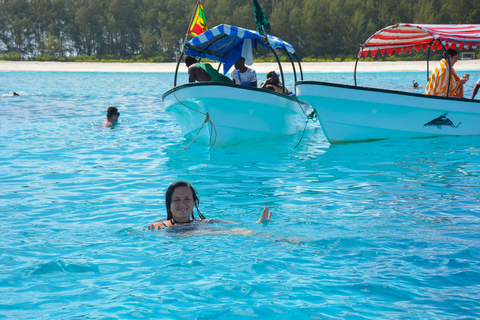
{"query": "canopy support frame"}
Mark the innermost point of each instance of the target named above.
(293, 64)
(355, 70)
(428, 68)
(176, 69)
(428, 60)
(279, 64)
(299, 65)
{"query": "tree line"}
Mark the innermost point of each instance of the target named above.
(155, 29)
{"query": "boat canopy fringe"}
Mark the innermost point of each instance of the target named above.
(405, 37)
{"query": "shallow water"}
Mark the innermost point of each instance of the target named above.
(381, 230)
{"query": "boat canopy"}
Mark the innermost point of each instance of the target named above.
(226, 44)
(404, 37)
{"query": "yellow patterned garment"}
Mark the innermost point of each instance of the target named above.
(438, 82)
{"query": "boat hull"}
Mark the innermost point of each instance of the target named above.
(354, 114)
(238, 113)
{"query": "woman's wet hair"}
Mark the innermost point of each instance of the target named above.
(112, 111)
(168, 198)
(451, 53)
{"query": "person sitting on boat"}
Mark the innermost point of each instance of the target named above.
(475, 89)
(244, 75)
(112, 117)
(198, 71)
(273, 83)
(438, 82)
(180, 199)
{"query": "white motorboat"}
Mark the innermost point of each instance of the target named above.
(350, 113)
(222, 114)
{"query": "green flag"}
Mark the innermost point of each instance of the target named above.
(263, 26)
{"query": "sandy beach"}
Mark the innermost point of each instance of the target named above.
(363, 66)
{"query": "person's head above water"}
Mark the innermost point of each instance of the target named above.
(180, 198)
(111, 112)
(112, 117)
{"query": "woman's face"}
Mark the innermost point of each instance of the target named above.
(182, 204)
(453, 59)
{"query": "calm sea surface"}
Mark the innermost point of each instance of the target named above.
(380, 230)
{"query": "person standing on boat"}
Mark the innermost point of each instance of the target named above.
(475, 89)
(180, 199)
(244, 75)
(198, 71)
(112, 117)
(273, 83)
(438, 82)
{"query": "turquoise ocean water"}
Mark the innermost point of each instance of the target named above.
(380, 230)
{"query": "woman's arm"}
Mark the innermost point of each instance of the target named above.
(265, 217)
(159, 225)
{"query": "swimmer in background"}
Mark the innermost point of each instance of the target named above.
(415, 84)
(112, 117)
(180, 199)
(15, 94)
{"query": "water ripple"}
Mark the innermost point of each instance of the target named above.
(380, 230)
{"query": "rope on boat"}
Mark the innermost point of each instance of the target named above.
(207, 119)
(312, 116)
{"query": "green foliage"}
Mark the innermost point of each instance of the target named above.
(12, 56)
(46, 57)
(86, 59)
(154, 30)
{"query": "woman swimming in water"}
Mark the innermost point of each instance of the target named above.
(180, 199)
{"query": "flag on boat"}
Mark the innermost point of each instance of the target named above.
(263, 26)
(198, 24)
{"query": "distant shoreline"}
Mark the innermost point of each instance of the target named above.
(169, 67)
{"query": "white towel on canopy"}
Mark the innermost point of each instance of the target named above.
(247, 52)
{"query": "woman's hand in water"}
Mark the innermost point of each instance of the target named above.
(265, 215)
(155, 226)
